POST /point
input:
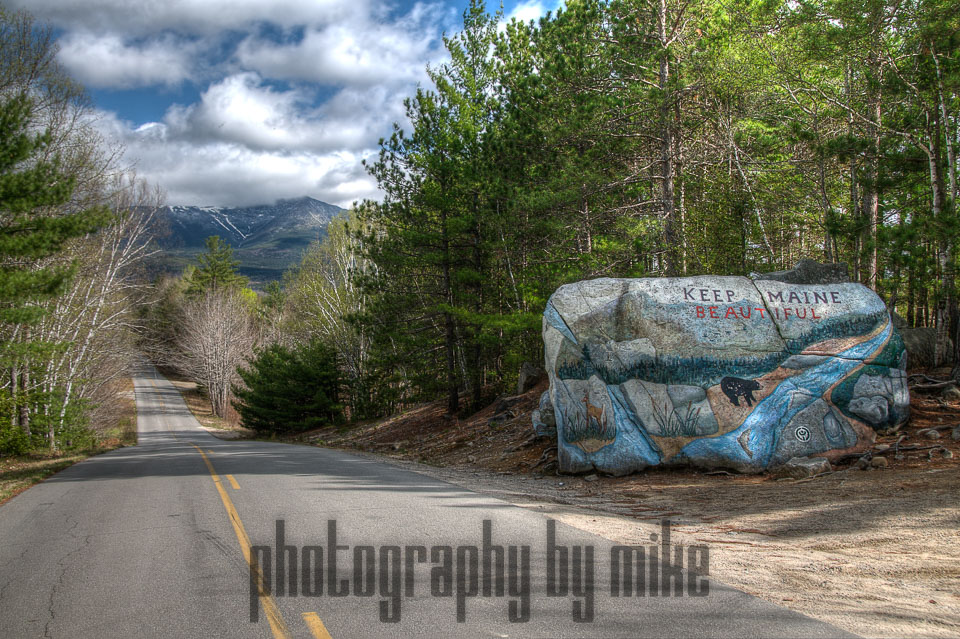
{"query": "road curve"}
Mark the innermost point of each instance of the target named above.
(155, 541)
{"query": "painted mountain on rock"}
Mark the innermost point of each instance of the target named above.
(267, 239)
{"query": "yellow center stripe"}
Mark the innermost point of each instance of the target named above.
(233, 482)
(317, 629)
(277, 624)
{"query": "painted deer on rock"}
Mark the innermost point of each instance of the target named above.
(597, 412)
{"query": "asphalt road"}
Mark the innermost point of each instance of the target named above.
(155, 541)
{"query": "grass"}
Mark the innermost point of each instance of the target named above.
(19, 472)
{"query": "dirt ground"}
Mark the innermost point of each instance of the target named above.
(875, 552)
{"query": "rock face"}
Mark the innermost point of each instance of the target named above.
(717, 372)
(809, 271)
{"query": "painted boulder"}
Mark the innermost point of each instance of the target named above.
(722, 372)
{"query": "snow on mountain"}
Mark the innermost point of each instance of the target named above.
(267, 239)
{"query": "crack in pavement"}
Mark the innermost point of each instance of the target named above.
(62, 563)
(19, 559)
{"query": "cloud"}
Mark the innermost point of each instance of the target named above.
(140, 17)
(243, 110)
(293, 94)
(357, 51)
(240, 110)
(529, 10)
(231, 170)
(107, 61)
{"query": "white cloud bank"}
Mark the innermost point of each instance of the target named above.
(244, 143)
(293, 93)
(106, 61)
(259, 130)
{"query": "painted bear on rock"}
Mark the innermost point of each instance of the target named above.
(735, 388)
(718, 372)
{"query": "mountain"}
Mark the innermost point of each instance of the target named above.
(267, 239)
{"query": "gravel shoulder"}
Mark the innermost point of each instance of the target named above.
(879, 563)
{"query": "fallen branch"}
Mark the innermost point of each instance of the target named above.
(544, 457)
(896, 450)
(936, 386)
(926, 377)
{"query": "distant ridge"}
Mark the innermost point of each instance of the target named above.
(267, 239)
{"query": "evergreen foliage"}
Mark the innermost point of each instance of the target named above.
(631, 138)
(32, 224)
(35, 225)
(216, 269)
(289, 389)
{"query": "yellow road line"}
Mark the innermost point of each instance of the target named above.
(233, 482)
(277, 625)
(317, 629)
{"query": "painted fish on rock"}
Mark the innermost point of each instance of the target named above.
(718, 372)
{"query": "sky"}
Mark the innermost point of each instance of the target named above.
(244, 102)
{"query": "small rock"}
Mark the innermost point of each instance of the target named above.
(541, 426)
(879, 462)
(801, 467)
(496, 420)
(946, 454)
(529, 377)
(951, 394)
(590, 478)
(863, 463)
(396, 446)
(472, 459)
(955, 434)
(504, 404)
(560, 484)
(929, 433)
(881, 447)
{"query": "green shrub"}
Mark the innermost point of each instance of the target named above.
(289, 389)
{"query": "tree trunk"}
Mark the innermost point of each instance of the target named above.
(25, 406)
(450, 332)
(667, 150)
(946, 306)
(871, 199)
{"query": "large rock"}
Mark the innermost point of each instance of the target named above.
(921, 345)
(809, 271)
(718, 372)
(528, 377)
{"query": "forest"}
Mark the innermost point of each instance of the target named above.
(618, 138)
(664, 138)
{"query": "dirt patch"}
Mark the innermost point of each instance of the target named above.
(499, 437)
(875, 552)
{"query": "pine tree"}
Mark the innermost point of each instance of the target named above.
(216, 269)
(35, 223)
(430, 235)
(289, 389)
